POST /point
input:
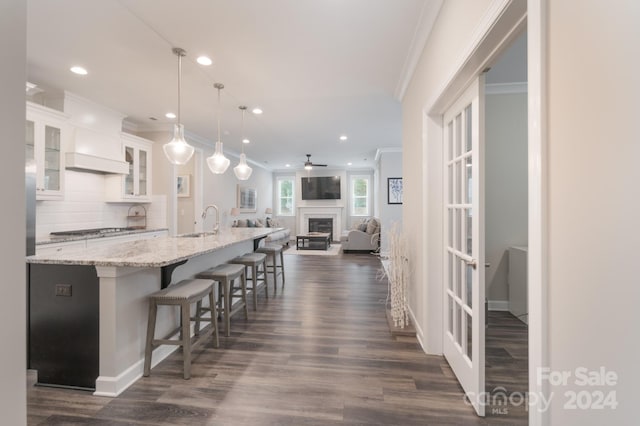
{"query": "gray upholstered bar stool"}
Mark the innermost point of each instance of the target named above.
(272, 251)
(226, 275)
(254, 261)
(182, 294)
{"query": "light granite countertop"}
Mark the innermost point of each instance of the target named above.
(155, 252)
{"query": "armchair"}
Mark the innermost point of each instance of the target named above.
(364, 238)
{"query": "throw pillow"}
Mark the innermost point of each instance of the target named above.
(269, 222)
(362, 227)
(372, 226)
(259, 224)
(251, 223)
(242, 223)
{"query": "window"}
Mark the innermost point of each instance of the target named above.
(286, 204)
(360, 195)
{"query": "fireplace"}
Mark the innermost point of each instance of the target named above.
(317, 224)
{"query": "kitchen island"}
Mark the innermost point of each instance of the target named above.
(126, 273)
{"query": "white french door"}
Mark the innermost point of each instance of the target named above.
(464, 242)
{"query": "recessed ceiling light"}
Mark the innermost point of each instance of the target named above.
(79, 70)
(287, 165)
(257, 110)
(170, 115)
(343, 137)
(348, 164)
(204, 60)
(245, 141)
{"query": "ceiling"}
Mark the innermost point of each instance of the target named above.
(318, 68)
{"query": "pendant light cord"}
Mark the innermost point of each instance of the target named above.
(219, 113)
(242, 131)
(179, 84)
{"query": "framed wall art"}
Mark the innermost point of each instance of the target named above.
(247, 199)
(184, 185)
(394, 190)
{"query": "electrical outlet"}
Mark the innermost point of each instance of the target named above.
(63, 290)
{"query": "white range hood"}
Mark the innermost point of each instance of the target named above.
(90, 163)
(94, 144)
(95, 152)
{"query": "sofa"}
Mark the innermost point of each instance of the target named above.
(281, 236)
(363, 237)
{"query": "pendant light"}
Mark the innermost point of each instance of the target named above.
(218, 163)
(242, 170)
(178, 151)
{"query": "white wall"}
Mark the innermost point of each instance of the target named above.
(13, 356)
(422, 164)
(186, 205)
(505, 187)
(593, 175)
(389, 166)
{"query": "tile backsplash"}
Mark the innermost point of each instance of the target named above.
(84, 207)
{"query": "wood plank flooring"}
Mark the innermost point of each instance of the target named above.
(319, 352)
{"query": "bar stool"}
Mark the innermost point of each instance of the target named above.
(272, 251)
(254, 261)
(182, 294)
(225, 275)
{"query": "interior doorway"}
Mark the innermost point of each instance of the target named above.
(506, 230)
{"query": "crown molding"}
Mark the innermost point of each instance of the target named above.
(388, 150)
(428, 17)
(505, 88)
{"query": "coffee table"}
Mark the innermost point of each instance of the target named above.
(313, 241)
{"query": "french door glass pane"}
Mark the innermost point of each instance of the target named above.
(469, 324)
(458, 134)
(450, 322)
(467, 131)
(469, 285)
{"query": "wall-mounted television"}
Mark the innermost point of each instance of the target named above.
(321, 188)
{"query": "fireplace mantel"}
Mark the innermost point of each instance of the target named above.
(332, 212)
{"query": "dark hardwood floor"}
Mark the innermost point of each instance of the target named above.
(318, 353)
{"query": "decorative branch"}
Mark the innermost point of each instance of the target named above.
(398, 277)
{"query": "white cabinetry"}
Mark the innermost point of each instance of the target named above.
(46, 130)
(135, 186)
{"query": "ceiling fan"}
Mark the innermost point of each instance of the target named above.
(308, 165)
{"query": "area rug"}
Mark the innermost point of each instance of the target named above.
(332, 251)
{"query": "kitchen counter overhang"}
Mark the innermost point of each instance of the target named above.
(127, 273)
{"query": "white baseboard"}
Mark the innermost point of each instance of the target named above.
(498, 305)
(114, 386)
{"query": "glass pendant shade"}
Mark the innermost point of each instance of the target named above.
(218, 163)
(242, 170)
(178, 151)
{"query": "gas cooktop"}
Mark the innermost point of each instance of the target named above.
(94, 231)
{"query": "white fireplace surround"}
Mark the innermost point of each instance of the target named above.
(319, 212)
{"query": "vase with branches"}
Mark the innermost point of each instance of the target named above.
(397, 273)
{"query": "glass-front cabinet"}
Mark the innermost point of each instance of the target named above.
(45, 132)
(136, 184)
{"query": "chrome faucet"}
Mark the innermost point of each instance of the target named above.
(216, 227)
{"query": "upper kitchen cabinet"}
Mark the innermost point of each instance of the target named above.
(46, 130)
(135, 186)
